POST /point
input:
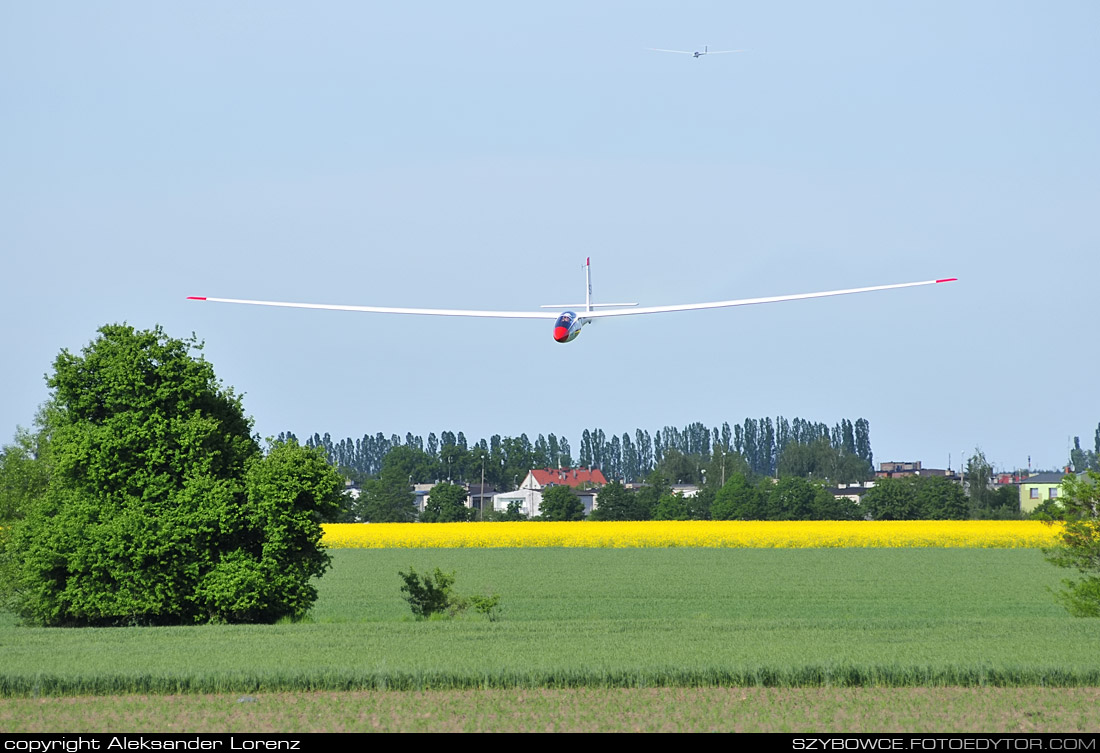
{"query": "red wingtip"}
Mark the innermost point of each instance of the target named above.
(948, 279)
(195, 298)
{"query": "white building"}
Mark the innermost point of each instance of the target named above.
(584, 482)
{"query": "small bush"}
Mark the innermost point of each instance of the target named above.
(486, 605)
(430, 596)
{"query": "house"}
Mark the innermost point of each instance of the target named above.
(584, 481)
(420, 494)
(1038, 488)
(480, 497)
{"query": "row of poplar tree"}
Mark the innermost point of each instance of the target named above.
(796, 447)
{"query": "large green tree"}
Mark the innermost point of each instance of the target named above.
(940, 498)
(406, 464)
(1079, 544)
(616, 502)
(739, 500)
(647, 496)
(673, 507)
(915, 498)
(446, 504)
(1005, 505)
(560, 503)
(978, 473)
(389, 498)
(160, 507)
(267, 572)
(385, 500)
(890, 499)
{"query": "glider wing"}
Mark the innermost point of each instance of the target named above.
(388, 309)
(752, 301)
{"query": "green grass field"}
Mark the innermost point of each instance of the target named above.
(599, 618)
(930, 710)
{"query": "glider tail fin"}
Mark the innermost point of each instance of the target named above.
(588, 283)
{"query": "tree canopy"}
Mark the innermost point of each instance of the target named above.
(160, 506)
(738, 500)
(1086, 460)
(915, 498)
(24, 472)
(616, 502)
(1079, 544)
(446, 504)
(560, 503)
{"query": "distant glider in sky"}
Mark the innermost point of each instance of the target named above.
(568, 324)
(695, 54)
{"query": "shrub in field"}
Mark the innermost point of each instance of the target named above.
(160, 507)
(428, 595)
(486, 605)
(431, 594)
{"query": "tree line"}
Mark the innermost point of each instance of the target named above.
(785, 498)
(1086, 460)
(841, 453)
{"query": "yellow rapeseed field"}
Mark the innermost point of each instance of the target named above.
(692, 533)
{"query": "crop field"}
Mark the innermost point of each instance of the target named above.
(611, 618)
(614, 627)
(999, 534)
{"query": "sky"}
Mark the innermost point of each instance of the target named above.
(472, 155)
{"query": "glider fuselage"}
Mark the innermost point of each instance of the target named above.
(568, 326)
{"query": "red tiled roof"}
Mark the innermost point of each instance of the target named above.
(568, 476)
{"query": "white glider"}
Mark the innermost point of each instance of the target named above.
(696, 54)
(568, 323)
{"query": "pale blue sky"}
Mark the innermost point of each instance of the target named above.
(471, 155)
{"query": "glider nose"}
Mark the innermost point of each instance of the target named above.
(561, 334)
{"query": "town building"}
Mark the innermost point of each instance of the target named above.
(896, 469)
(585, 483)
(1038, 488)
(853, 491)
